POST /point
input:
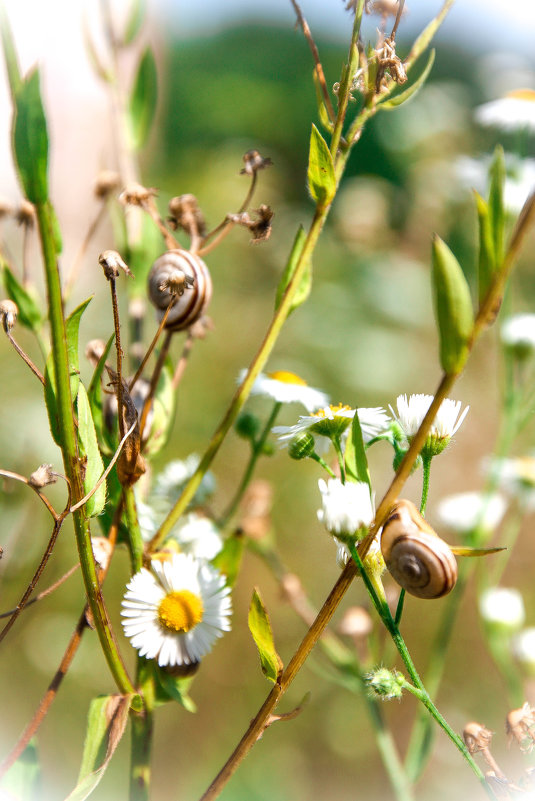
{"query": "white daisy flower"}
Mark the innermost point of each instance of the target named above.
(346, 508)
(170, 481)
(176, 612)
(518, 333)
(502, 608)
(286, 387)
(466, 511)
(524, 648)
(411, 413)
(334, 421)
(515, 111)
(198, 536)
(517, 478)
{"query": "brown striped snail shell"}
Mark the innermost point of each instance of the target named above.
(420, 562)
(187, 271)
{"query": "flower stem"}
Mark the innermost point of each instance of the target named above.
(135, 540)
(426, 474)
(142, 731)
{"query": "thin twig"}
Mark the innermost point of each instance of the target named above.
(154, 382)
(26, 358)
(24, 480)
(45, 593)
(226, 225)
(152, 344)
(73, 273)
(183, 361)
(315, 55)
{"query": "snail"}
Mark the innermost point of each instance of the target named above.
(183, 277)
(418, 559)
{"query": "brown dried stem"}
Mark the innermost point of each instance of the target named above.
(45, 593)
(154, 382)
(73, 273)
(315, 55)
(152, 344)
(221, 231)
(35, 370)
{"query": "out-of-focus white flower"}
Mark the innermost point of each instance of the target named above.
(170, 481)
(286, 387)
(198, 536)
(517, 478)
(176, 611)
(518, 332)
(333, 421)
(466, 511)
(515, 111)
(519, 178)
(346, 508)
(502, 608)
(524, 648)
(147, 518)
(412, 411)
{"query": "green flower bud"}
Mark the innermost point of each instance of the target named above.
(302, 446)
(385, 684)
(247, 426)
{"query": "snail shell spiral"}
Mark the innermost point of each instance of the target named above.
(191, 302)
(416, 557)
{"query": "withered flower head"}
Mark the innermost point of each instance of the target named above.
(8, 314)
(476, 737)
(136, 195)
(107, 181)
(42, 477)
(94, 350)
(111, 262)
(385, 8)
(176, 282)
(185, 213)
(253, 162)
(259, 227)
(520, 726)
(25, 214)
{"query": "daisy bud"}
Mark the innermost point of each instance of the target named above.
(301, 446)
(385, 684)
(247, 426)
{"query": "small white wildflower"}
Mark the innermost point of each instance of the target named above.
(170, 481)
(286, 387)
(176, 612)
(466, 511)
(346, 508)
(517, 478)
(518, 333)
(523, 646)
(148, 520)
(198, 536)
(502, 608)
(412, 411)
(513, 112)
(334, 421)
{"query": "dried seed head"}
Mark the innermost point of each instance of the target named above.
(43, 476)
(185, 213)
(107, 182)
(520, 726)
(111, 262)
(8, 314)
(259, 227)
(102, 551)
(136, 195)
(253, 162)
(356, 623)
(25, 214)
(176, 282)
(476, 737)
(94, 350)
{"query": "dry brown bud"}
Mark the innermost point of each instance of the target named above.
(186, 214)
(176, 282)
(102, 551)
(520, 726)
(259, 227)
(94, 350)
(42, 477)
(136, 195)
(8, 314)
(356, 623)
(25, 214)
(476, 737)
(106, 183)
(253, 162)
(255, 508)
(111, 262)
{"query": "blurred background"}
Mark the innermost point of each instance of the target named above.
(235, 76)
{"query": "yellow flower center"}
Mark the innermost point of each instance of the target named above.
(285, 377)
(523, 94)
(180, 611)
(341, 407)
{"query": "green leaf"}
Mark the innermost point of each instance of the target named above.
(51, 400)
(72, 327)
(453, 308)
(321, 177)
(10, 52)
(228, 560)
(487, 261)
(260, 628)
(143, 99)
(89, 451)
(163, 411)
(23, 779)
(356, 463)
(30, 139)
(175, 688)
(303, 290)
(29, 312)
(135, 21)
(56, 230)
(322, 110)
(94, 394)
(106, 723)
(424, 39)
(496, 205)
(412, 90)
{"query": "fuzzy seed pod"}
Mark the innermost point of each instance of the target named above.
(180, 277)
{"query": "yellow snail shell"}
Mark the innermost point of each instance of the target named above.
(416, 557)
(197, 289)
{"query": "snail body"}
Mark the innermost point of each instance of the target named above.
(180, 278)
(417, 558)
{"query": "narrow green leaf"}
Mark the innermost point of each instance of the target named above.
(56, 229)
(453, 307)
(143, 99)
(135, 21)
(424, 39)
(496, 205)
(163, 411)
(106, 723)
(303, 290)
(487, 261)
(260, 628)
(30, 139)
(89, 451)
(228, 560)
(356, 462)
(322, 110)
(94, 394)
(175, 688)
(29, 312)
(51, 400)
(321, 177)
(10, 52)
(412, 90)
(23, 780)
(94, 59)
